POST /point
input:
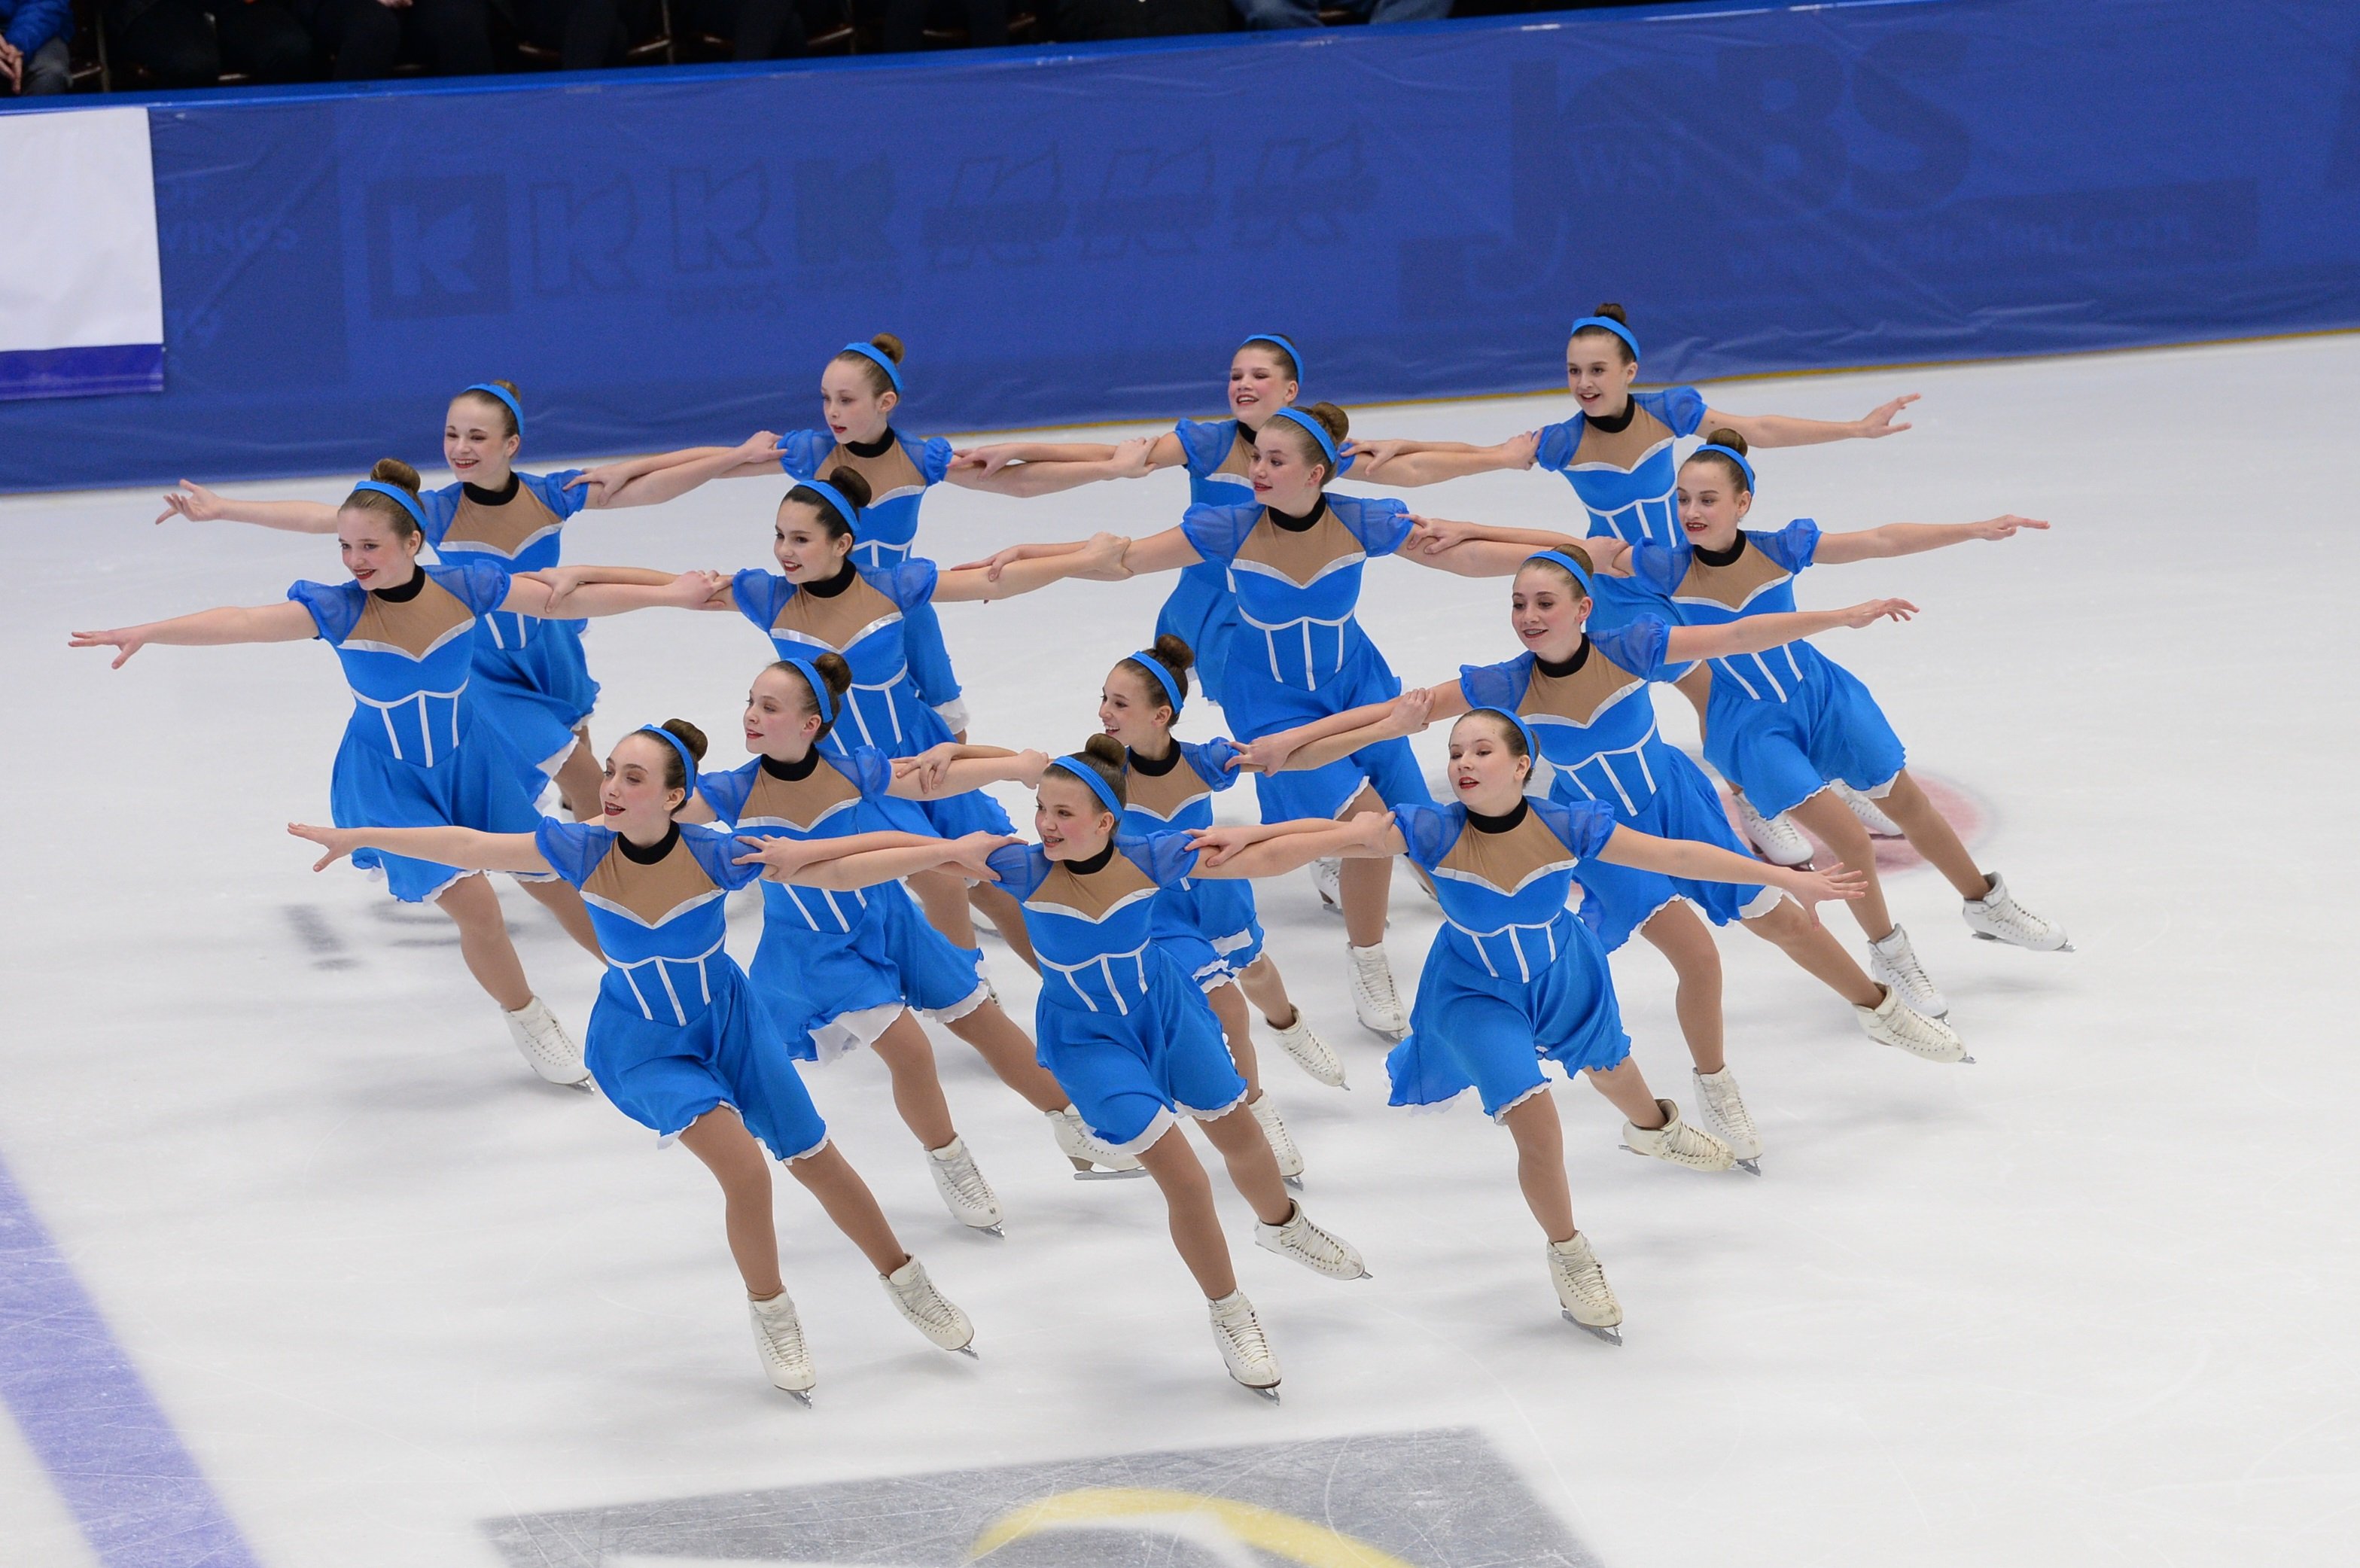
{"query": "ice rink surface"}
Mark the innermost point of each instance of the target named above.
(2087, 1300)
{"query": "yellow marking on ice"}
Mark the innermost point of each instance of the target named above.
(1281, 1535)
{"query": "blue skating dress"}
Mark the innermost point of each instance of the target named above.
(1121, 1025)
(416, 754)
(1595, 719)
(519, 661)
(864, 615)
(1299, 654)
(1512, 979)
(1625, 478)
(677, 1029)
(1780, 723)
(900, 472)
(1210, 927)
(1202, 612)
(836, 968)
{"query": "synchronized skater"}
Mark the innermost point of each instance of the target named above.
(865, 812)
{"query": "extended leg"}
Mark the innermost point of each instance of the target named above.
(1540, 1164)
(560, 899)
(1626, 1088)
(1933, 837)
(1266, 989)
(1814, 948)
(1007, 917)
(909, 1056)
(1188, 1202)
(1364, 885)
(1697, 687)
(484, 942)
(737, 1162)
(1230, 1006)
(1008, 1051)
(1840, 830)
(1687, 941)
(578, 779)
(1253, 1169)
(830, 1178)
(943, 895)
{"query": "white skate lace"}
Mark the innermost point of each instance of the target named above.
(781, 1331)
(1920, 1035)
(1308, 1245)
(545, 1040)
(2013, 919)
(1309, 1051)
(1872, 815)
(1273, 1126)
(959, 1173)
(1580, 1277)
(1374, 979)
(1906, 974)
(926, 1306)
(1242, 1341)
(1726, 1106)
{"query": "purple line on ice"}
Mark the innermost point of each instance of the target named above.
(113, 1457)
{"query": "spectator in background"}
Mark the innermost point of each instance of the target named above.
(757, 30)
(33, 35)
(174, 42)
(366, 38)
(905, 21)
(1305, 13)
(588, 35)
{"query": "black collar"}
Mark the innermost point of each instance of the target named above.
(1293, 524)
(1500, 825)
(1155, 769)
(1720, 557)
(408, 591)
(654, 851)
(792, 772)
(877, 448)
(1616, 425)
(1567, 667)
(834, 585)
(1094, 863)
(500, 497)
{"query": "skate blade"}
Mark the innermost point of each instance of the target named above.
(968, 1351)
(801, 1395)
(1294, 1181)
(1751, 1167)
(1966, 1061)
(991, 1229)
(1097, 1174)
(1611, 1336)
(1270, 1394)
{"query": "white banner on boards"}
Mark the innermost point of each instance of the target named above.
(82, 297)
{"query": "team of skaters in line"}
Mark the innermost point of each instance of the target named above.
(1569, 824)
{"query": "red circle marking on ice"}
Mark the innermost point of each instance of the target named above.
(1961, 810)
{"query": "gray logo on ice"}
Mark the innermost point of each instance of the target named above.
(1419, 1500)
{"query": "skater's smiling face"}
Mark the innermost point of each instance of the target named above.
(1288, 468)
(852, 402)
(479, 440)
(805, 543)
(781, 721)
(378, 554)
(1599, 370)
(1260, 381)
(1713, 502)
(635, 800)
(1134, 710)
(1488, 764)
(1068, 818)
(1548, 610)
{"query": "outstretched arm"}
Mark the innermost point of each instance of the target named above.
(462, 847)
(1339, 735)
(863, 860)
(1101, 559)
(287, 622)
(1711, 863)
(1241, 852)
(1484, 550)
(198, 505)
(757, 455)
(1759, 634)
(1046, 476)
(1915, 538)
(1781, 430)
(610, 477)
(580, 599)
(954, 770)
(1406, 464)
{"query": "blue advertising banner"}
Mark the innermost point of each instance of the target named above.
(659, 257)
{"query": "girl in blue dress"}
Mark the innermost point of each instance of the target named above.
(1129, 1035)
(840, 971)
(1586, 697)
(1786, 720)
(1618, 452)
(679, 1041)
(821, 599)
(1265, 376)
(1513, 980)
(417, 751)
(530, 675)
(1294, 555)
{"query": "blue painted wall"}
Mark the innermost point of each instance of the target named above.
(661, 257)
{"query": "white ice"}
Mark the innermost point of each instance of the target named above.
(2086, 1300)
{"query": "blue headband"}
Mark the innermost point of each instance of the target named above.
(821, 697)
(835, 499)
(877, 358)
(1080, 767)
(1292, 351)
(687, 763)
(1609, 324)
(1154, 667)
(1532, 742)
(515, 409)
(1336, 464)
(1561, 559)
(409, 502)
(1729, 452)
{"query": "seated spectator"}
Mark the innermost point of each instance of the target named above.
(757, 30)
(588, 35)
(1305, 13)
(905, 21)
(366, 38)
(33, 56)
(174, 42)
